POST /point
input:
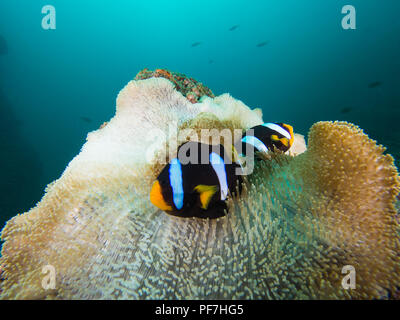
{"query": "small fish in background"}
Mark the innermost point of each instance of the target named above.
(375, 84)
(195, 44)
(234, 27)
(262, 44)
(210, 61)
(3, 46)
(86, 119)
(346, 110)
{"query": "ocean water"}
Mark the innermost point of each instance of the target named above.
(291, 58)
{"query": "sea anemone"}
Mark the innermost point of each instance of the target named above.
(301, 219)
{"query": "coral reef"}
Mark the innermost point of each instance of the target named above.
(189, 87)
(299, 221)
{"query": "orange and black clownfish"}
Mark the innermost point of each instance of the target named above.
(200, 188)
(197, 183)
(267, 137)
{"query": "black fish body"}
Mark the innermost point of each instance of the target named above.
(195, 184)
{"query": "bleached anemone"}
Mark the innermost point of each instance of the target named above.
(299, 222)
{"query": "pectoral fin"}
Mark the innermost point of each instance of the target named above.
(284, 141)
(206, 193)
(274, 137)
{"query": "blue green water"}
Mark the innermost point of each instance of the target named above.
(57, 85)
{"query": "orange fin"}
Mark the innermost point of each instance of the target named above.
(206, 193)
(284, 141)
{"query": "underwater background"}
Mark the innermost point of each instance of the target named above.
(293, 59)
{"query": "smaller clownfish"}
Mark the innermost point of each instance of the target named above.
(196, 183)
(267, 137)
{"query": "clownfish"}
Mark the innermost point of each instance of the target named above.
(198, 182)
(267, 137)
